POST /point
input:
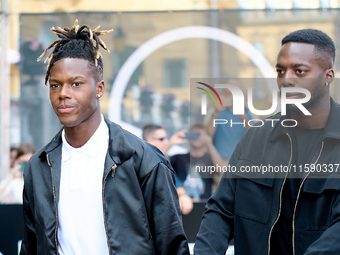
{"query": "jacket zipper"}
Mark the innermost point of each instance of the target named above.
(278, 216)
(55, 205)
(113, 169)
(297, 198)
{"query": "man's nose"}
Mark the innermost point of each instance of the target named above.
(288, 80)
(65, 91)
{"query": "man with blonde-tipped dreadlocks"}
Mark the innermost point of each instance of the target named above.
(95, 188)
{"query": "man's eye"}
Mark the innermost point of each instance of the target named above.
(54, 86)
(299, 71)
(279, 71)
(76, 84)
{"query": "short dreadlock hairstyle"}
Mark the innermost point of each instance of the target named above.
(321, 41)
(76, 42)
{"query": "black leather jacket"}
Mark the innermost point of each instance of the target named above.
(246, 206)
(147, 223)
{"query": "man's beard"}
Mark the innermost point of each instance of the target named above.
(315, 97)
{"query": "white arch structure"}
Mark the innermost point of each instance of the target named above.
(170, 36)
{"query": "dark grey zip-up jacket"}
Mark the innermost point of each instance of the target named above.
(246, 206)
(140, 202)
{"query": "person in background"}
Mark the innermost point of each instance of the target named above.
(24, 153)
(192, 168)
(226, 137)
(157, 136)
(13, 155)
(11, 187)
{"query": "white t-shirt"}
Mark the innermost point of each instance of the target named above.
(81, 228)
(11, 191)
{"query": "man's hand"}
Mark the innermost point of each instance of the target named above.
(178, 138)
(185, 202)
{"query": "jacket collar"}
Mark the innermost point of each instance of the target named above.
(331, 129)
(120, 149)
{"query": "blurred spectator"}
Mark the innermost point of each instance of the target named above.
(157, 136)
(13, 155)
(192, 168)
(25, 151)
(226, 137)
(11, 187)
(185, 112)
(167, 105)
(146, 102)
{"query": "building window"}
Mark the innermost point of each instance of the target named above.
(324, 4)
(175, 70)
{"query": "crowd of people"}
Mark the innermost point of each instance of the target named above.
(11, 187)
(191, 185)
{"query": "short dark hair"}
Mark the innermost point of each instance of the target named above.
(197, 126)
(319, 39)
(149, 129)
(13, 148)
(77, 42)
(25, 148)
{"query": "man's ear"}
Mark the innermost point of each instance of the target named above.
(100, 88)
(329, 75)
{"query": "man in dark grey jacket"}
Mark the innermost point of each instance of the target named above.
(282, 194)
(95, 188)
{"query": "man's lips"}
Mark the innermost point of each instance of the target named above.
(294, 96)
(65, 108)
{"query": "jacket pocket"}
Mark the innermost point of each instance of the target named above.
(253, 196)
(321, 185)
(318, 197)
